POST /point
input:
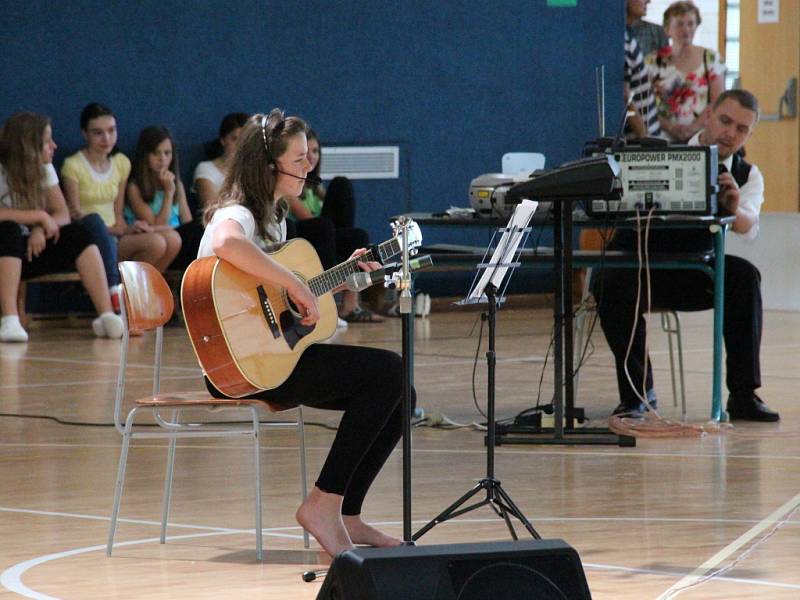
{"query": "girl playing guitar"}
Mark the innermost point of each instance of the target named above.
(270, 163)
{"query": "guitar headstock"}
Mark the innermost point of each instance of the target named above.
(414, 234)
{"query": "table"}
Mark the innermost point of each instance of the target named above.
(564, 260)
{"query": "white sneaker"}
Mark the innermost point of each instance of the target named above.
(341, 323)
(11, 330)
(422, 305)
(108, 325)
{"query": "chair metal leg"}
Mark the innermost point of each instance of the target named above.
(301, 434)
(257, 477)
(679, 380)
(123, 461)
(680, 363)
(168, 483)
(583, 321)
(666, 326)
(580, 329)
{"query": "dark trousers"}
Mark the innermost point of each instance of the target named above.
(57, 257)
(365, 383)
(191, 233)
(682, 290)
(333, 233)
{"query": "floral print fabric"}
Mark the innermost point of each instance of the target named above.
(682, 97)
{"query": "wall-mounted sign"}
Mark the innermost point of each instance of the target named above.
(769, 11)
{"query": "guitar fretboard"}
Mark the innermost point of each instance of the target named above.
(336, 276)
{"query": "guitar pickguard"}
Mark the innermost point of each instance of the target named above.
(293, 329)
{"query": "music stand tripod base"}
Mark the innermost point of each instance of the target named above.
(496, 497)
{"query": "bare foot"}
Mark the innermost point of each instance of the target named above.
(363, 533)
(321, 516)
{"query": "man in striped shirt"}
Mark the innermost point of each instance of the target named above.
(638, 91)
(651, 37)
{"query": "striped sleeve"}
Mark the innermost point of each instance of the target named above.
(639, 85)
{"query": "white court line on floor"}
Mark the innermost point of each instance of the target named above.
(77, 361)
(498, 451)
(196, 372)
(47, 513)
(28, 386)
(735, 545)
(641, 571)
(11, 578)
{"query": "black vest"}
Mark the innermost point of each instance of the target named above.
(680, 240)
(740, 169)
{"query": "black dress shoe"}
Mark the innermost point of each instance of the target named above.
(638, 409)
(749, 407)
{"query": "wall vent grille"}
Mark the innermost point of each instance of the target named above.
(361, 162)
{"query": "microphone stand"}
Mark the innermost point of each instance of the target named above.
(407, 311)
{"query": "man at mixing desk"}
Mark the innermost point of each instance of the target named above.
(730, 123)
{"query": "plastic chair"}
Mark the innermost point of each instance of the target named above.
(670, 324)
(146, 305)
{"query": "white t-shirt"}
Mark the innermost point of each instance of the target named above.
(208, 170)
(245, 218)
(49, 179)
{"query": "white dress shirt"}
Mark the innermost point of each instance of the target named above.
(751, 194)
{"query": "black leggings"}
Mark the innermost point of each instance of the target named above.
(365, 383)
(57, 257)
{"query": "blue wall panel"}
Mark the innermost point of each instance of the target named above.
(455, 84)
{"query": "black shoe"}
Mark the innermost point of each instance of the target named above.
(749, 407)
(638, 409)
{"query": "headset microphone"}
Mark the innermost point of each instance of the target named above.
(313, 180)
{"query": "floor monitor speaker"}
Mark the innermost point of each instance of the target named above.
(529, 570)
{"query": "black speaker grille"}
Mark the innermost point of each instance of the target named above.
(473, 580)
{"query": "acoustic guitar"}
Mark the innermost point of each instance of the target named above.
(247, 333)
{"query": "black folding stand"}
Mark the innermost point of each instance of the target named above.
(564, 431)
(496, 497)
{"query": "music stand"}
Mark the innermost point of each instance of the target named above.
(487, 282)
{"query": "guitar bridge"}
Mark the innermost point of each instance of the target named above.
(269, 315)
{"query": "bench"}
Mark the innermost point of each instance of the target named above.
(173, 279)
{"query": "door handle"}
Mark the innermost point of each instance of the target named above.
(787, 103)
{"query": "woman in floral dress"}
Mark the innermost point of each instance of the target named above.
(685, 77)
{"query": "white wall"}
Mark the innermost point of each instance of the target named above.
(776, 253)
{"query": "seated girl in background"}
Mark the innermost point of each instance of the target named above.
(209, 175)
(94, 182)
(36, 235)
(156, 195)
(326, 219)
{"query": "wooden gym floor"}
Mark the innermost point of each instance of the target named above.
(645, 520)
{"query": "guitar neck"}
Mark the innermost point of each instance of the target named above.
(336, 276)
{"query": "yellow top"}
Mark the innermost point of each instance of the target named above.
(97, 191)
